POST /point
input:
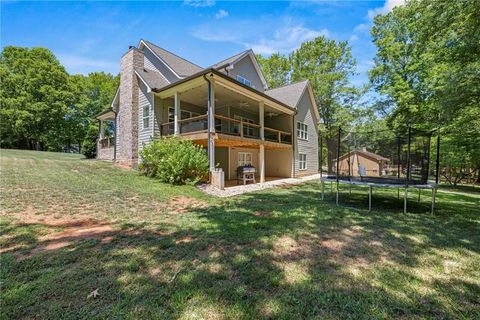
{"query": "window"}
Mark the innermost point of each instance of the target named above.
(146, 116)
(247, 130)
(243, 80)
(244, 159)
(302, 131)
(171, 115)
(302, 163)
(185, 114)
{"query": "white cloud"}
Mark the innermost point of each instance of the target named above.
(78, 64)
(364, 66)
(199, 3)
(387, 7)
(221, 14)
(353, 38)
(261, 37)
(286, 39)
(361, 27)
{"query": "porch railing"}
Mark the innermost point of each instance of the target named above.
(226, 125)
(279, 136)
(190, 125)
(107, 142)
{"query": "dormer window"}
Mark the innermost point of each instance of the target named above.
(244, 80)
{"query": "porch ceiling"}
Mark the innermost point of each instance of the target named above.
(225, 97)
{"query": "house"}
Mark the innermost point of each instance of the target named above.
(362, 163)
(227, 108)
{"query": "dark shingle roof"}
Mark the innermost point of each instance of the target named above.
(289, 94)
(153, 78)
(180, 65)
(229, 60)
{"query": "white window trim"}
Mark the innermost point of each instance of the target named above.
(300, 131)
(300, 161)
(244, 154)
(146, 117)
(243, 80)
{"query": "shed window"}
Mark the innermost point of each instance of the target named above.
(146, 116)
(244, 80)
(302, 131)
(302, 163)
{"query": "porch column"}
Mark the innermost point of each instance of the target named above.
(176, 114)
(211, 124)
(261, 115)
(102, 130)
(261, 154)
(261, 162)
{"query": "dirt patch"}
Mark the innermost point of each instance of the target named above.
(73, 231)
(182, 204)
(261, 213)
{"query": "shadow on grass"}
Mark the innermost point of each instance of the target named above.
(281, 254)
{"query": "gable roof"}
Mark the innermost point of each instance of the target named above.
(292, 93)
(229, 60)
(153, 79)
(239, 56)
(180, 66)
(289, 94)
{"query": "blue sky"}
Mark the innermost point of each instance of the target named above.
(92, 36)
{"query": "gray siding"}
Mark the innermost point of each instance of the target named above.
(310, 146)
(144, 99)
(153, 63)
(246, 69)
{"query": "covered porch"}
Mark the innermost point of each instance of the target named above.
(229, 118)
(106, 136)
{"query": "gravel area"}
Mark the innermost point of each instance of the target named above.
(241, 189)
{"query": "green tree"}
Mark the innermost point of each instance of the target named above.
(34, 98)
(94, 94)
(276, 69)
(427, 68)
(328, 65)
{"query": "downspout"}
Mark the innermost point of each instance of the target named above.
(115, 137)
(210, 119)
(294, 139)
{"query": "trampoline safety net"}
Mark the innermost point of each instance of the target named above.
(383, 156)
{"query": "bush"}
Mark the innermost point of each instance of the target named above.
(174, 161)
(89, 143)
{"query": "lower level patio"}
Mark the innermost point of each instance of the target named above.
(232, 189)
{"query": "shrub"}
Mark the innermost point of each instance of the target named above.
(89, 143)
(174, 161)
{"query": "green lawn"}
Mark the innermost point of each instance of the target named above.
(155, 251)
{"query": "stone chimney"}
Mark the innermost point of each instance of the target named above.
(127, 116)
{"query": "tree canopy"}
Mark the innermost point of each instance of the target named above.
(427, 69)
(41, 106)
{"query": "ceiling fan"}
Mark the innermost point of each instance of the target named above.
(242, 104)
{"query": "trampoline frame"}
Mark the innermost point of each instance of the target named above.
(371, 185)
(406, 185)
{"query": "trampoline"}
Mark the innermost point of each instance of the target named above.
(380, 159)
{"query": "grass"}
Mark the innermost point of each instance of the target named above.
(275, 254)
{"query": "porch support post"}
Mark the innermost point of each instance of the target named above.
(102, 130)
(261, 154)
(211, 124)
(261, 162)
(176, 114)
(261, 115)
